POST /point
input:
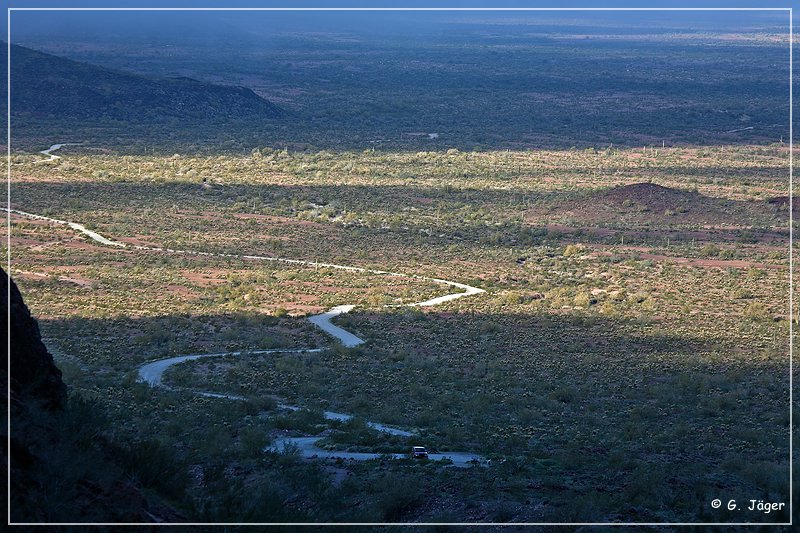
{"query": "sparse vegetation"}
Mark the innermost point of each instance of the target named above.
(628, 361)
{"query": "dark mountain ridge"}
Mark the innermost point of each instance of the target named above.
(48, 86)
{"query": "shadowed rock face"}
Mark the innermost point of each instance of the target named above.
(36, 385)
(34, 376)
(55, 477)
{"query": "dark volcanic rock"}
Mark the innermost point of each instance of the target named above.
(34, 376)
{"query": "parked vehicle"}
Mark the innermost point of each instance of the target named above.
(419, 452)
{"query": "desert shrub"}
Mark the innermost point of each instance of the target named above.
(503, 511)
(397, 497)
(302, 420)
(573, 249)
(583, 300)
(488, 326)
(564, 394)
(608, 308)
(513, 298)
(618, 296)
(742, 294)
(755, 311)
(252, 441)
(747, 237)
(260, 403)
(638, 297)
(154, 465)
(227, 500)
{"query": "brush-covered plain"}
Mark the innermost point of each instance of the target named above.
(628, 362)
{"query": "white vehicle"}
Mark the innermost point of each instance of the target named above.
(419, 452)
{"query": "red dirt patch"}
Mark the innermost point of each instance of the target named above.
(40, 247)
(305, 298)
(208, 278)
(710, 263)
(422, 200)
(182, 291)
(75, 280)
(294, 309)
(139, 240)
(710, 233)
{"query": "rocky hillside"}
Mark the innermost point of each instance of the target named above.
(62, 470)
(51, 87)
(34, 376)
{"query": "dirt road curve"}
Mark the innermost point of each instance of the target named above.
(152, 372)
(307, 446)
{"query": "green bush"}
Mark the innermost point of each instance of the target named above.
(573, 249)
(755, 311)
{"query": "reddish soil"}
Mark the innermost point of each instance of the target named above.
(711, 263)
(22, 241)
(598, 232)
(139, 240)
(182, 291)
(709, 233)
(202, 216)
(40, 247)
(208, 278)
(272, 219)
(294, 309)
(422, 200)
(29, 221)
(79, 244)
(333, 289)
(306, 298)
(76, 280)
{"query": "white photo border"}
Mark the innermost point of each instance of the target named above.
(791, 313)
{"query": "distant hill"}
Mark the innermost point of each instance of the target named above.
(48, 86)
(649, 204)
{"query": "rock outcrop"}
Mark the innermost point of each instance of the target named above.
(34, 375)
(62, 469)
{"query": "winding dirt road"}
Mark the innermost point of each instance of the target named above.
(307, 446)
(322, 320)
(152, 372)
(51, 156)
